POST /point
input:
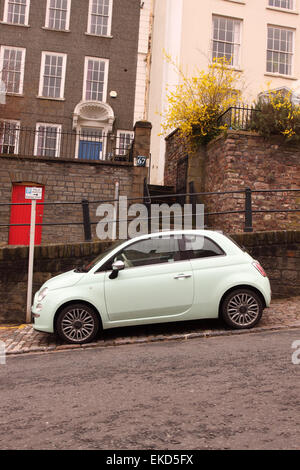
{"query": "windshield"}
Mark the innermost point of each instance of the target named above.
(87, 267)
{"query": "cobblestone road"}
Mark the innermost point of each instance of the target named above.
(283, 314)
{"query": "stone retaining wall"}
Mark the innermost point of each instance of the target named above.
(233, 162)
(243, 159)
(49, 260)
(70, 181)
(279, 254)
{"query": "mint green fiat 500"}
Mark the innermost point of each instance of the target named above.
(161, 277)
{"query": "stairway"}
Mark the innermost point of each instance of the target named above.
(157, 192)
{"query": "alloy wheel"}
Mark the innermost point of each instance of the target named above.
(77, 324)
(243, 309)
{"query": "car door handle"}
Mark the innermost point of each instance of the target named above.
(182, 276)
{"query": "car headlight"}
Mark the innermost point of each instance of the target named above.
(42, 294)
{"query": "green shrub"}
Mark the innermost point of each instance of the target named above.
(277, 115)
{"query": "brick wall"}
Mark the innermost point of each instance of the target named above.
(120, 48)
(67, 181)
(71, 181)
(243, 159)
(175, 151)
(279, 253)
(49, 261)
(236, 161)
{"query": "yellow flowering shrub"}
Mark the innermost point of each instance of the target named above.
(277, 116)
(196, 103)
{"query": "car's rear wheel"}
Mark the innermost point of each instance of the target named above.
(242, 308)
(77, 323)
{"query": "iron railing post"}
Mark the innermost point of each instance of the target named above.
(193, 202)
(248, 211)
(147, 202)
(86, 220)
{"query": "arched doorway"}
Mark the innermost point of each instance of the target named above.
(93, 122)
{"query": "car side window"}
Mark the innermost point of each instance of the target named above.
(154, 250)
(197, 246)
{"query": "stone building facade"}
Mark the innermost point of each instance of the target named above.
(61, 56)
(74, 88)
(251, 34)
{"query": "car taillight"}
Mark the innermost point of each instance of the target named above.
(259, 268)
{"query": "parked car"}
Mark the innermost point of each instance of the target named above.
(161, 277)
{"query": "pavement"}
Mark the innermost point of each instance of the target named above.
(20, 339)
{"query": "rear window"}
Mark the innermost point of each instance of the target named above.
(197, 246)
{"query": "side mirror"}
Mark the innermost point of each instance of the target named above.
(116, 267)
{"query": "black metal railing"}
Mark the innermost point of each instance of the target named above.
(238, 117)
(51, 141)
(248, 211)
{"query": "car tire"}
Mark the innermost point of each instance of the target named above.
(77, 323)
(242, 309)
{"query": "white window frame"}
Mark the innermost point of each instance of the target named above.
(120, 151)
(63, 78)
(58, 140)
(47, 19)
(5, 14)
(109, 20)
(236, 59)
(280, 7)
(21, 85)
(17, 136)
(281, 52)
(106, 61)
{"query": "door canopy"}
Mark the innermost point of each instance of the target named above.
(93, 114)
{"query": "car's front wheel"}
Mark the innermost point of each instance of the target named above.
(77, 323)
(241, 309)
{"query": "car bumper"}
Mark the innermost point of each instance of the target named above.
(42, 315)
(266, 291)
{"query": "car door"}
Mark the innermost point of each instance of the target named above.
(155, 283)
(210, 265)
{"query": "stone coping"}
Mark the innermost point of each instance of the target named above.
(276, 237)
(66, 160)
(67, 250)
(54, 251)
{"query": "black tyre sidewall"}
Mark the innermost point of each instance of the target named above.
(226, 301)
(61, 315)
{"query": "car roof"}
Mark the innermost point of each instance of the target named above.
(218, 236)
(203, 232)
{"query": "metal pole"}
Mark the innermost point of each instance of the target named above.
(248, 210)
(86, 220)
(30, 261)
(115, 218)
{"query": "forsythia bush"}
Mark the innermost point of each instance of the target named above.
(277, 115)
(197, 102)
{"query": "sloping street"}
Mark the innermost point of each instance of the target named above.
(239, 392)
